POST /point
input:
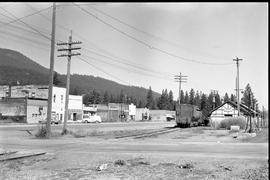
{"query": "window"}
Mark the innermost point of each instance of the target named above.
(228, 115)
(62, 97)
(54, 97)
(61, 116)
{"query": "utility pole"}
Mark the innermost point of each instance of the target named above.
(69, 55)
(49, 108)
(181, 79)
(250, 118)
(262, 121)
(214, 92)
(237, 87)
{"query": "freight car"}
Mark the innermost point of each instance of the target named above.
(188, 115)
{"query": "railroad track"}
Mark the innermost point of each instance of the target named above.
(147, 134)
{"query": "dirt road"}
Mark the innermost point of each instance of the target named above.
(88, 152)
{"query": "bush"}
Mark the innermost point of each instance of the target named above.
(42, 132)
(227, 123)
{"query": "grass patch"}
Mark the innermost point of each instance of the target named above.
(42, 133)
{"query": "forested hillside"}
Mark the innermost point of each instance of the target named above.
(17, 68)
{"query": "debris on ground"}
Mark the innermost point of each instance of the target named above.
(186, 166)
(225, 168)
(102, 167)
(120, 162)
(138, 161)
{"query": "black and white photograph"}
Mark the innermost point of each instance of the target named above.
(134, 91)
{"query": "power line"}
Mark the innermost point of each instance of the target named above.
(100, 69)
(115, 58)
(18, 19)
(137, 29)
(127, 63)
(129, 70)
(146, 44)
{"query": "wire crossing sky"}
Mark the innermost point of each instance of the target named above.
(146, 44)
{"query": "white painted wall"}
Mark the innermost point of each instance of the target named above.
(58, 102)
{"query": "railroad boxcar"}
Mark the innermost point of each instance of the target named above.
(188, 115)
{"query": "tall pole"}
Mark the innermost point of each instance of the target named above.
(67, 85)
(237, 87)
(69, 55)
(49, 107)
(181, 79)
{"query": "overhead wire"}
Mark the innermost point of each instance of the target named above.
(129, 70)
(146, 44)
(100, 69)
(125, 61)
(18, 19)
(137, 29)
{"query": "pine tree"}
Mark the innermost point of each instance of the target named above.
(186, 98)
(182, 97)
(226, 97)
(106, 97)
(191, 96)
(150, 99)
(56, 80)
(232, 98)
(248, 97)
(171, 102)
(197, 100)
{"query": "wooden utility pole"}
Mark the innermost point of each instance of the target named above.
(214, 92)
(237, 88)
(69, 55)
(49, 107)
(181, 79)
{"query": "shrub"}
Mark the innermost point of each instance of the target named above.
(42, 132)
(227, 123)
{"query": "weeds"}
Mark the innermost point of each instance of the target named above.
(227, 123)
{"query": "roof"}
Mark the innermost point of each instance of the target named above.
(243, 108)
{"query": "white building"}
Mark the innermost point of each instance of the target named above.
(58, 103)
(132, 111)
(75, 107)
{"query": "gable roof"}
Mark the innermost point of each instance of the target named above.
(243, 108)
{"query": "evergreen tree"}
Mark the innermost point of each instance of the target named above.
(217, 100)
(170, 99)
(150, 99)
(186, 99)
(182, 97)
(248, 97)
(226, 97)
(56, 80)
(197, 100)
(232, 98)
(204, 104)
(121, 97)
(106, 97)
(191, 96)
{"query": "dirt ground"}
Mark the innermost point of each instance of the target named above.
(74, 157)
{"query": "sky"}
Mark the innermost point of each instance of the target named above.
(147, 44)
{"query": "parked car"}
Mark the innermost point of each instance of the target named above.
(170, 117)
(91, 119)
